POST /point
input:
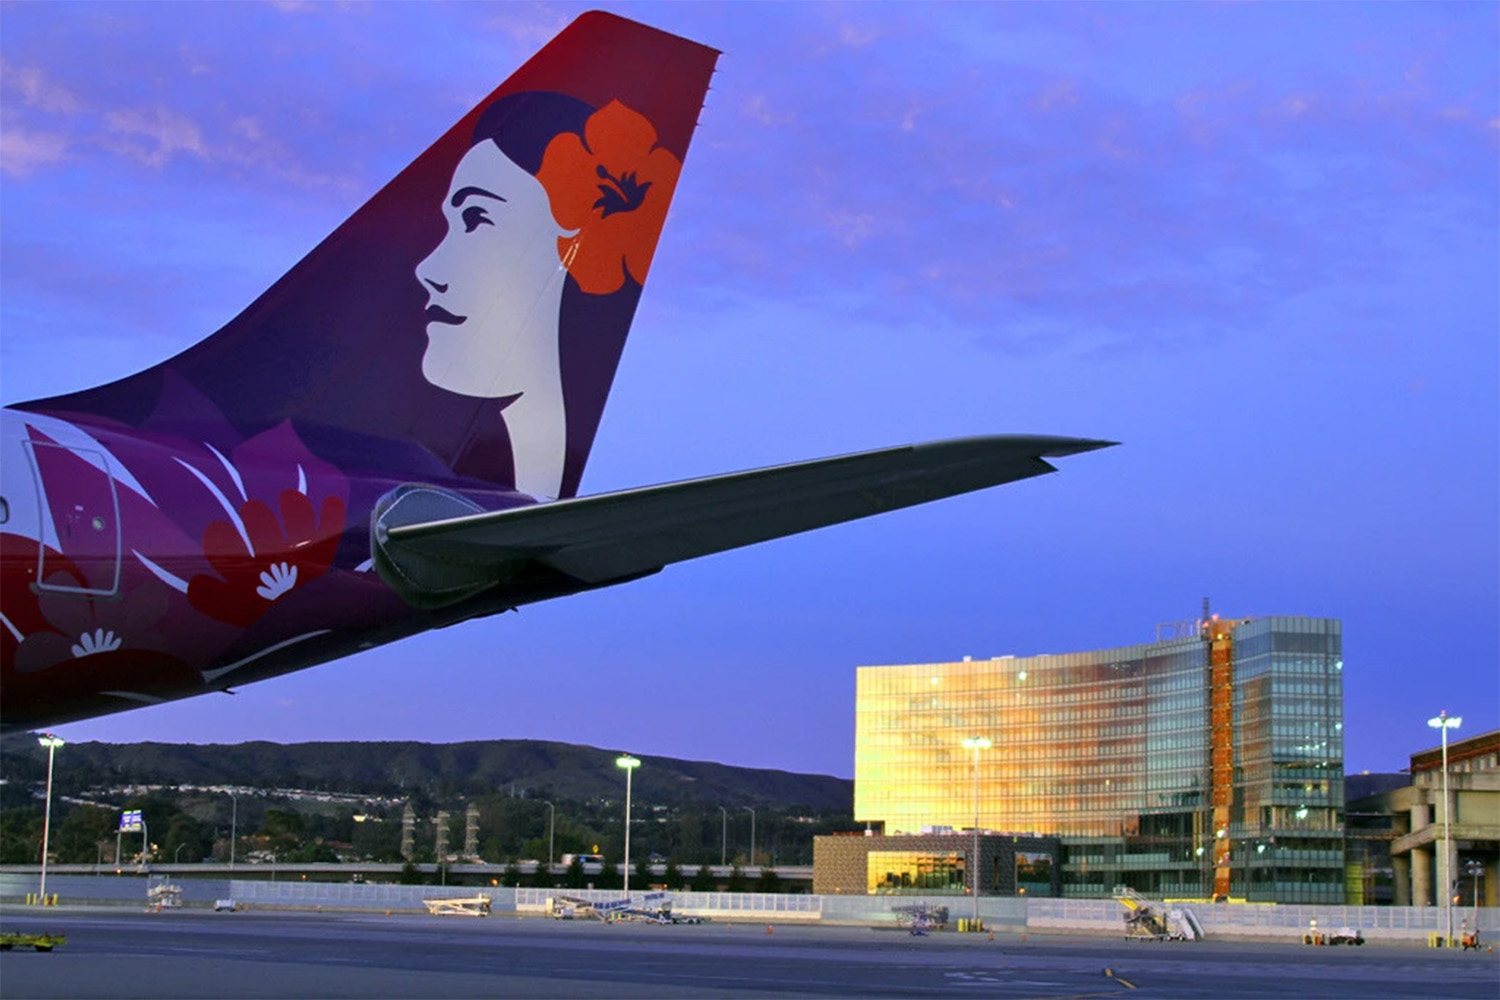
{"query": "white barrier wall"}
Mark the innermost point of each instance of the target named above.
(1096, 916)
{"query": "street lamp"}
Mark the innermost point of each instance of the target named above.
(1475, 869)
(752, 835)
(1445, 722)
(723, 835)
(628, 764)
(976, 743)
(51, 743)
(551, 830)
(234, 824)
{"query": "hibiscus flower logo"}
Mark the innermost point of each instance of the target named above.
(612, 185)
(261, 557)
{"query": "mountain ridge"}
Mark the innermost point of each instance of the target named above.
(528, 768)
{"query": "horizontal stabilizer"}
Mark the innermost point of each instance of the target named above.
(615, 536)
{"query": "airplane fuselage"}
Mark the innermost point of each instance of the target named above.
(140, 567)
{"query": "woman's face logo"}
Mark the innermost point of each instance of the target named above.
(494, 282)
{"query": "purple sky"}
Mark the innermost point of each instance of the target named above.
(1256, 243)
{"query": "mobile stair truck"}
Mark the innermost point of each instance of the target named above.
(1151, 920)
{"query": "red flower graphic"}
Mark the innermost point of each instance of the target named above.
(282, 553)
(612, 185)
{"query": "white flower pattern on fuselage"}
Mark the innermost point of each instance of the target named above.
(277, 581)
(98, 641)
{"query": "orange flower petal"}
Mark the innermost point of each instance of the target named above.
(590, 181)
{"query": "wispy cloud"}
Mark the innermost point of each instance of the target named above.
(22, 150)
(152, 136)
(37, 90)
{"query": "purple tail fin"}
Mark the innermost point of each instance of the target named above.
(471, 315)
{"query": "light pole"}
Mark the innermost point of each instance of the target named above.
(234, 824)
(752, 836)
(723, 836)
(1475, 869)
(51, 743)
(628, 764)
(1445, 722)
(976, 743)
(177, 855)
(551, 830)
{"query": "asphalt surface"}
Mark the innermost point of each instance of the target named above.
(113, 953)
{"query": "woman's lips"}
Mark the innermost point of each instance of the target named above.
(437, 314)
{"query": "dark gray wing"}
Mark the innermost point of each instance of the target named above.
(616, 536)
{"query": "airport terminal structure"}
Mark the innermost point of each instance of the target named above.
(1207, 765)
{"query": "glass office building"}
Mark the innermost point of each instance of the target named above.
(1208, 764)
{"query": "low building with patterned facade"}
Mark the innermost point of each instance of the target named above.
(935, 864)
(1207, 764)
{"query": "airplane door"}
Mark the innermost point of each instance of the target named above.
(76, 494)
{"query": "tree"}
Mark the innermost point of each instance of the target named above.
(610, 876)
(769, 881)
(576, 879)
(282, 829)
(318, 851)
(76, 839)
(21, 837)
(737, 882)
(411, 875)
(703, 879)
(378, 839)
(185, 833)
(512, 875)
(672, 875)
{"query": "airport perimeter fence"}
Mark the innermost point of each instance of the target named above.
(714, 905)
(1270, 920)
(361, 895)
(110, 890)
(130, 890)
(997, 912)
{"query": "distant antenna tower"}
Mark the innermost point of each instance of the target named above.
(408, 832)
(471, 831)
(442, 835)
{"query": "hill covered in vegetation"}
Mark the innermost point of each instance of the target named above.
(526, 768)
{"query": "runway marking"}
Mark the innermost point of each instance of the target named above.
(1110, 974)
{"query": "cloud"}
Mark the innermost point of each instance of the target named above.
(151, 136)
(530, 26)
(22, 151)
(37, 91)
(855, 36)
(758, 108)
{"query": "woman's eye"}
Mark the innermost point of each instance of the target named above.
(474, 217)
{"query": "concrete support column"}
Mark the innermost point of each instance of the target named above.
(1421, 816)
(1421, 876)
(1401, 877)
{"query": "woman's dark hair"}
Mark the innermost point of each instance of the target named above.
(523, 124)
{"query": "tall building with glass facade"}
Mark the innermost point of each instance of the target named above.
(1208, 764)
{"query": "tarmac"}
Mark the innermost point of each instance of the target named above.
(116, 953)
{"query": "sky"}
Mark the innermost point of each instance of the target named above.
(1259, 244)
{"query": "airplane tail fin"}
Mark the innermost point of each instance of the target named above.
(469, 318)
